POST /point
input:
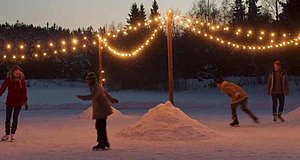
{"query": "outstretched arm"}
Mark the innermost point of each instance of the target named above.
(85, 97)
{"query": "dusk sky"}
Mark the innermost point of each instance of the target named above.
(78, 13)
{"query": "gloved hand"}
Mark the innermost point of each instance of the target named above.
(80, 97)
(115, 101)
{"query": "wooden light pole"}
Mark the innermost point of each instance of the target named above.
(100, 61)
(170, 56)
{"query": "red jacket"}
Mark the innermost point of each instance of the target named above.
(17, 92)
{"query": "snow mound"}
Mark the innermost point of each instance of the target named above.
(294, 115)
(88, 114)
(167, 123)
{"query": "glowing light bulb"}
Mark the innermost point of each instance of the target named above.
(74, 41)
(272, 34)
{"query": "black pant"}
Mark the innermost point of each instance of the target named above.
(243, 103)
(101, 130)
(276, 98)
(9, 111)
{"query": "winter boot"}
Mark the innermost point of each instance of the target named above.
(275, 118)
(235, 122)
(12, 137)
(5, 138)
(99, 146)
(281, 118)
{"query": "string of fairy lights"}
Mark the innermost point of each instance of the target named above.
(126, 29)
(261, 39)
(209, 31)
(237, 32)
(136, 51)
(75, 44)
(48, 48)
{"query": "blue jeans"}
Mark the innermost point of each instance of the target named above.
(278, 110)
(12, 128)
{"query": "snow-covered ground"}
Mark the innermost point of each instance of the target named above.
(53, 129)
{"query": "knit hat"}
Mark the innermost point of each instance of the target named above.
(91, 76)
(277, 63)
(218, 80)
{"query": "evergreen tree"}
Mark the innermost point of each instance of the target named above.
(239, 13)
(134, 15)
(253, 12)
(154, 10)
(142, 14)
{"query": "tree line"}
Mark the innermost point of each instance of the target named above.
(194, 57)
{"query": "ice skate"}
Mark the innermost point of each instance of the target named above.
(5, 138)
(12, 138)
(256, 120)
(98, 147)
(235, 123)
(281, 118)
(107, 145)
(275, 119)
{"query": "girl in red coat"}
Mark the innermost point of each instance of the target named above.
(16, 98)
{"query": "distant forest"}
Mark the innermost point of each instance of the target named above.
(194, 57)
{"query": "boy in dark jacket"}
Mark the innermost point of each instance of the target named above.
(278, 87)
(101, 109)
(238, 97)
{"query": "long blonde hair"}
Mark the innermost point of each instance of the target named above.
(11, 76)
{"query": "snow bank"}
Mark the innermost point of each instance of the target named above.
(88, 114)
(167, 123)
(294, 115)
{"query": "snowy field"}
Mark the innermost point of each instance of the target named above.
(52, 129)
